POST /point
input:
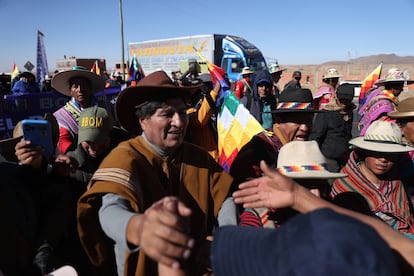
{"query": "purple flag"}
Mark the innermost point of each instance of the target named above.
(41, 67)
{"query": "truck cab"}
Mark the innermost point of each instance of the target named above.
(239, 53)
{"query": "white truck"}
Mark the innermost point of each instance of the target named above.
(231, 53)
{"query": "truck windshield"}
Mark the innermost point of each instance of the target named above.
(256, 63)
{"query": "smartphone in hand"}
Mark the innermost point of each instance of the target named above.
(39, 132)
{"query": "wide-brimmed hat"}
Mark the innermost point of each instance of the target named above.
(154, 86)
(246, 71)
(331, 73)
(295, 100)
(304, 159)
(394, 75)
(60, 81)
(275, 68)
(381, 136)
(405, 94)
(405, 109)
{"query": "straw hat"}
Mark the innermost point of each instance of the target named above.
(60, 81)
(381, 136)
(157, 85)
(246, 71)
(405, 109)
(395, 75)
(304, 159)
(275, 68)
(331, 73)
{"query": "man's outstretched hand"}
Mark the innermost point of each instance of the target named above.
(272, 190)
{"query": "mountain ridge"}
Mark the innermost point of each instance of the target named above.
(376, 59)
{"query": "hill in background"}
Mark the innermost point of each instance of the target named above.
(352, 70)
(377, 59)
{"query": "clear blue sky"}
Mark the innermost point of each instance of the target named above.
(294, 32)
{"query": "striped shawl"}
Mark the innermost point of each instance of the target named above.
(390, 198)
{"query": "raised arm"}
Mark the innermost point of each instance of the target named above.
(274, 190)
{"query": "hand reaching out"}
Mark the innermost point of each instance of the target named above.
(64, 165)
(272, 190)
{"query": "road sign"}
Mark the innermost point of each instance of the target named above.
(29, 66)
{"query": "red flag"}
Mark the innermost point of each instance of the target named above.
(368, 82)
(217, 74)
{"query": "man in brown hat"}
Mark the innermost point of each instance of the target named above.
(292, 120)
(405, 118)
(134, 214)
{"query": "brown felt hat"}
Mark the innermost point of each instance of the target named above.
(155, 86)
(405, 109)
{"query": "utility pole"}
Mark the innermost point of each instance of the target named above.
(122, 39)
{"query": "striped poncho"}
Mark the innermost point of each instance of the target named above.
(390, 198)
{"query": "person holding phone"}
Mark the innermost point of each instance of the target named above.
(80, 84)
(54, 199)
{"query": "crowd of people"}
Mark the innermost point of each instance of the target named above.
(26, 83)
(143, 192)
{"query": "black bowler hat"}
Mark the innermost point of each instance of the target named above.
(295, 100)
(345, 91)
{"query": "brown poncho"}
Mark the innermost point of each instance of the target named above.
(136, 172)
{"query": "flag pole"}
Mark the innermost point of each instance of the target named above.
(122, 39)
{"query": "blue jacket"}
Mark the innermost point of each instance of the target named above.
(254, 103)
